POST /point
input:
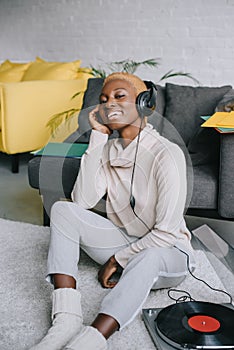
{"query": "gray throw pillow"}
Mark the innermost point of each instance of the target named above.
(160, 101)
(91, 96)
(185, 105)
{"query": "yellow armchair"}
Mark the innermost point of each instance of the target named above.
(26, 108)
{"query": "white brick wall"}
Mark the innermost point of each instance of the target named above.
(193, 36)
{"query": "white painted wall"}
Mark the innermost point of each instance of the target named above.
(195, 36)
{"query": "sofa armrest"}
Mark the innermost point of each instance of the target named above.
(27, 106)
(53, 174)
(226, 178)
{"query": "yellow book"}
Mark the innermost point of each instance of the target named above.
(220, 119)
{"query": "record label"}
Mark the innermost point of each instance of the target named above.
(203, 323)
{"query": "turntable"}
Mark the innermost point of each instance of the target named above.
(191, 325)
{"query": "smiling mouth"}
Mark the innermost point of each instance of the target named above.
(114, 115)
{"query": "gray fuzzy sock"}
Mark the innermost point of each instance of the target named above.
(66, 319)
(88, 339)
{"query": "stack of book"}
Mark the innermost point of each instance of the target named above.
(223, 122)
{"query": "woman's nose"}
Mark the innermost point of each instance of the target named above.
(110, 103)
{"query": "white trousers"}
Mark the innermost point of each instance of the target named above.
(73, 227)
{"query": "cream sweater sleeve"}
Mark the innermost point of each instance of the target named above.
(170, 179)
(90, 185)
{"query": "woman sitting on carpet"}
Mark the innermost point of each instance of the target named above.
(143, 178)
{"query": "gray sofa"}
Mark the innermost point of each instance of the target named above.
(209, 154)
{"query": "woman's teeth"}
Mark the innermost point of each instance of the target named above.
(114, 115)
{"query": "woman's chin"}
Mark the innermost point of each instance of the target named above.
(115, 125)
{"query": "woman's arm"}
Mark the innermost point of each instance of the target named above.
(90, 185)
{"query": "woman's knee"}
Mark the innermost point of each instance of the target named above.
(147, 261)
(62, 209)
(57, 208)
(63, 220)
(153, 259)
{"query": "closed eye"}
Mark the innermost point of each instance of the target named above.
(102, 101)
(118, 97)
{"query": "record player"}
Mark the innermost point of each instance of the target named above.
(191, 325)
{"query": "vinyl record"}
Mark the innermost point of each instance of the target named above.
(191, 324)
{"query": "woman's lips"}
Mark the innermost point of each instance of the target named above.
(114, 115)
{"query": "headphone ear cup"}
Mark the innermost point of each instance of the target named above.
(142, 104)
(146, 100)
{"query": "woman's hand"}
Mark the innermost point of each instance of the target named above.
(95, 124)
(106, 272)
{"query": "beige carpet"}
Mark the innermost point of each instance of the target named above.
(25, 295)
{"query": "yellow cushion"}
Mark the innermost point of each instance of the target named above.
(11, 72)
(42, 70)
(6, 64)
(28, 106)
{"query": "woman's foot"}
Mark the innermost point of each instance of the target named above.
(67, 319)
(88, 339)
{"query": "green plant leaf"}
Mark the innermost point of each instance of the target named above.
(152, 62)
(131, 66)
(98, 72)
(77, 94)
(171, 74)
(57, 119)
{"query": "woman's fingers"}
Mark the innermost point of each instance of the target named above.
(95, 124)
(93, 117)
(106, 272)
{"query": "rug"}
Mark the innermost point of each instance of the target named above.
(25, 303)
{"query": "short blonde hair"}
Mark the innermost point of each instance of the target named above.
(134, 80)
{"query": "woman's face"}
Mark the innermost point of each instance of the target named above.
(117, 104)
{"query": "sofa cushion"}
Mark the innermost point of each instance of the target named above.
(4, 65)
(28, 106)
(9, 64)
(185, 105)
(42, 70)
(160, 101)
(11, 73)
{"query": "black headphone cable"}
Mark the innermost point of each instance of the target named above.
(132, 200)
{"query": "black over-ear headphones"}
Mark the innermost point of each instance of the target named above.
(146, 100)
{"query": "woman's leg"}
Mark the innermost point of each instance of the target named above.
(73, 227)
(152, 268)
